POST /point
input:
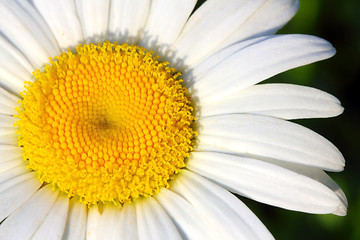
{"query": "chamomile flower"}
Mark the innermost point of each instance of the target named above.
(138, 119)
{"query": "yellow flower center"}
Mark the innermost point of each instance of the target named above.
(108, 123)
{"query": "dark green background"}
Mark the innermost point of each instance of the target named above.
(339, 23)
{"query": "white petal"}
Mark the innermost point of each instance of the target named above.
(17, 170)
(10, 81)
(14, 68)
(260, 61)
(320, 176)
(269, 18)
(153, 222)
(7, 121)
(94, 17)
(8, 102)
(6, 165)
(186, 218)
(26, 29)
(260, 136)
(128, 224)
(265, 182)
(221, 17)
(76, 221)
(285, 101)
(108, 227)
(24, 222)
(16, 191)
(127, 19)
(10, 152)
(221, 209)
(195, 73)
(164, 23)
(12, 55)
(63, 21)
(54, 224)
(8, 133)
(8, 136)
(92, 222)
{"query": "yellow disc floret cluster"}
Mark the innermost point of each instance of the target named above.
(108, 123)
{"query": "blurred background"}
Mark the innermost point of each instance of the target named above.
(339, 23)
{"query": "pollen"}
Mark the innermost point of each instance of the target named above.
(107, 123)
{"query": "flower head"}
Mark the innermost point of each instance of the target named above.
(137, 119)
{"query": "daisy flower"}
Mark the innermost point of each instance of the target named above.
(139, 119)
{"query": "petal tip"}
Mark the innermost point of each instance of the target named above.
(341, 210)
